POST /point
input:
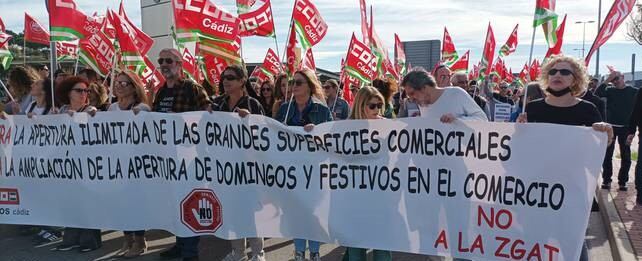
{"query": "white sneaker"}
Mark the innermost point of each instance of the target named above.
(315, 257)
(233, 256)
(299, 256)
(259, 257)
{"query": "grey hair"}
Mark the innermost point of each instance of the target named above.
(172, 51)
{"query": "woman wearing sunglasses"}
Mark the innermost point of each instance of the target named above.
(306, 109)
(73, 94)
(129, 90)
(266, 96)
(236, 88)
(369, 104)
(565, 79)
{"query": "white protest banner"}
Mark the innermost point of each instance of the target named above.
(477, 190)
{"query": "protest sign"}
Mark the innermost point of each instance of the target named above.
(476, 190)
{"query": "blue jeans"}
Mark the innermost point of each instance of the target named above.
(188, 246)
(300, 244)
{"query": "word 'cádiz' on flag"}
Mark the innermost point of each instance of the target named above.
(557, 49)
(141, 40)
(486, 65)
(308, 23)
(400, 56)
(511, 44)
(98, 52)
(271, 65)
(448, 52)
(197, 20)
(546, 17)
(34, 32)
(259, 22)
(67, 50)
(67, 23)
(214, 67)
(360, 62)
(461, 65)
(308, 60)
(618, 13)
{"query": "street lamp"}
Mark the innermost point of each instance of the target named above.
(584, 34)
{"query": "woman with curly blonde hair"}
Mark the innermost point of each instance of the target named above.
(564, 79)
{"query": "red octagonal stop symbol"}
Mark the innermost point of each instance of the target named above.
(201, 211)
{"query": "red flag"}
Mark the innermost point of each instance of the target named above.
(524, 74)
(509, 76)
(244, 5)
(360, 62)
(489, 53)
(308, 60)
(611, 68)
(130, 54)
(142, 41)
(618, 13)
(203, 20)
(462, 64)
(259, 74)
(400, 57)
(557, 49)
(448, 51)
(34, 31)
(308, 23)
(97, 52)
(214, 67)
(228, 51)
(271, 65)
(290, 54)
(365, 29)
(511, 44)
(534, 70)
(150, 74)
(67, 23)
(258, 22)
(190, 63)
(67, 50)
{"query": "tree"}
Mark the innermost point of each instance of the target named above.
(634, 26)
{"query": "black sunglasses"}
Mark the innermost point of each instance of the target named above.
(229, 77)
(165, 60)
(565, 72)
(298, 83)
(81, 90)
(373, 106)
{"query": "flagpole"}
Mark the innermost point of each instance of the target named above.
(7, 91)
(76, 66)
(52, 70)
(111, 83)
(530, 58)
(24, 51)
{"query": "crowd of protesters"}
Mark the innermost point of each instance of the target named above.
(564, 94)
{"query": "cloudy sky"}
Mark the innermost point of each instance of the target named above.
(412, 20)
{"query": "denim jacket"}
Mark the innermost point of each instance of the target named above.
(315, 112)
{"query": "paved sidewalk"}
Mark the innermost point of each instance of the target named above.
(630, 213)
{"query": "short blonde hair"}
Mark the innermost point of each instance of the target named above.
(361, 101)
(581, 77)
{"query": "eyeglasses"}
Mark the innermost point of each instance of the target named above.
(122, 83)
(165, 60)
(373, 106)
(298, 82)
(81, 90)
(564, 72)
(229, 77)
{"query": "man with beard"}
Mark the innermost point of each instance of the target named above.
(179, 95)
